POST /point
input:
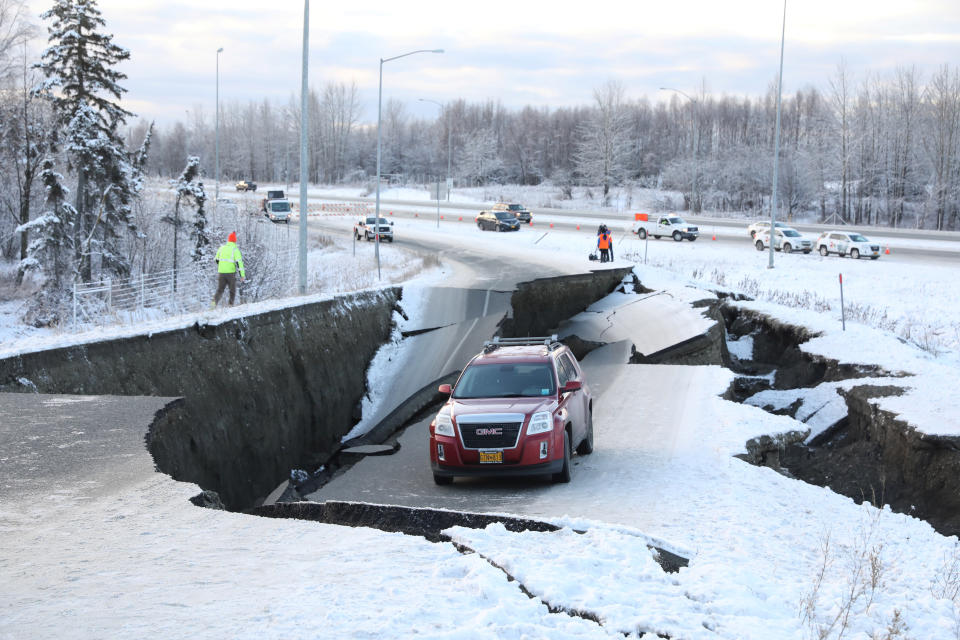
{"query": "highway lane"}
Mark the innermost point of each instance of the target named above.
(930, 247)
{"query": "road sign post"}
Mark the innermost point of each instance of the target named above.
(843, 315)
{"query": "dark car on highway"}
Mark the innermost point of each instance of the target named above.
(519, 408)
(521, 212)
(498, 221)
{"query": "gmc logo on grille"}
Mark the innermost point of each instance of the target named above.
(491, 431)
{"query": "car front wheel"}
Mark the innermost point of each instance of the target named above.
(677, 236)
(787, 248)
(759, 245)
(855, 254)
(564, 474)
(823, 250)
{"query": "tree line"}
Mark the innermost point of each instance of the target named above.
(881, 148)
(873, 148)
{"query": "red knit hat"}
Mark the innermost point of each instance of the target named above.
(232, 237)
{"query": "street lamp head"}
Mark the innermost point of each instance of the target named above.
(436, 51)
(220, 50)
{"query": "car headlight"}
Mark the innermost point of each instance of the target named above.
(541, 422)
(443, 425)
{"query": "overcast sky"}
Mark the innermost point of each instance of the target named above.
(520, 52)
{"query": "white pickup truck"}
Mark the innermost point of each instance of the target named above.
(648, 224)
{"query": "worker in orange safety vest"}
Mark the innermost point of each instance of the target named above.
(604, 242)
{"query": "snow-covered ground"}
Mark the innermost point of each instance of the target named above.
(770, 557)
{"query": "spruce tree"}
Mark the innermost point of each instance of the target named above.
(51, 250)
(82, 85)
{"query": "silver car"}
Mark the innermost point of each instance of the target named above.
(786, 239)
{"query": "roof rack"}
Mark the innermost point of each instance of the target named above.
(548, 341)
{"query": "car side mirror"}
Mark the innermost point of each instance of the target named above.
(391, 223)
(572, 385)
(445, 388)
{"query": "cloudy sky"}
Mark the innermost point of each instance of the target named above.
(525, 52)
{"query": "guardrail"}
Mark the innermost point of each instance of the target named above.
(335, 209)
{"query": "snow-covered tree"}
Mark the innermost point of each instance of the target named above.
(15, 29)
(51, 251)
(480, 157)
(605, 143)
(189, 189)
(82, 85)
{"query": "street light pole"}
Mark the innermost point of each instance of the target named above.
(216, 119)
(304, 157)
(776, 141)
(376, 220)
(696, 145)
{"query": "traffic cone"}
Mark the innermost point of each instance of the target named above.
(714, 236)
(887, 252)
(460, 219)
(551, 225)
(578, 227)
(416, 215)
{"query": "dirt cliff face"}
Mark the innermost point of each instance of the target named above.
(260, 393)
(868, 455)
(540, 305)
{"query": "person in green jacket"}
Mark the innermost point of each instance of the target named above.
(229, 261)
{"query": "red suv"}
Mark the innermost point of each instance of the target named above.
(519, 408)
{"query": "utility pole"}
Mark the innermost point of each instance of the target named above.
(304, 158)
(776, 143)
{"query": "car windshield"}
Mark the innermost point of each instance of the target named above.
(279, 207)
(505, 381)
(515, 207)
(791, 233)
(856, 237)
(504, 215)
(371, 220)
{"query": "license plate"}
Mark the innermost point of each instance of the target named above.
(487, 457)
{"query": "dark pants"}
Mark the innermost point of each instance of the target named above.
(223, 280)
(604, 255)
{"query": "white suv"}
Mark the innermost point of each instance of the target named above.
(764, 225)
(844, 242)
(786, 239)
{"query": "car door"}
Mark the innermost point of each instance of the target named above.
(839, 242)
(576, 401)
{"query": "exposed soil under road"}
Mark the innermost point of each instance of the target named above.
(868, 455)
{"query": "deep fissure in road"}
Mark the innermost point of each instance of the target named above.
(868, 454)
(431, 523)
